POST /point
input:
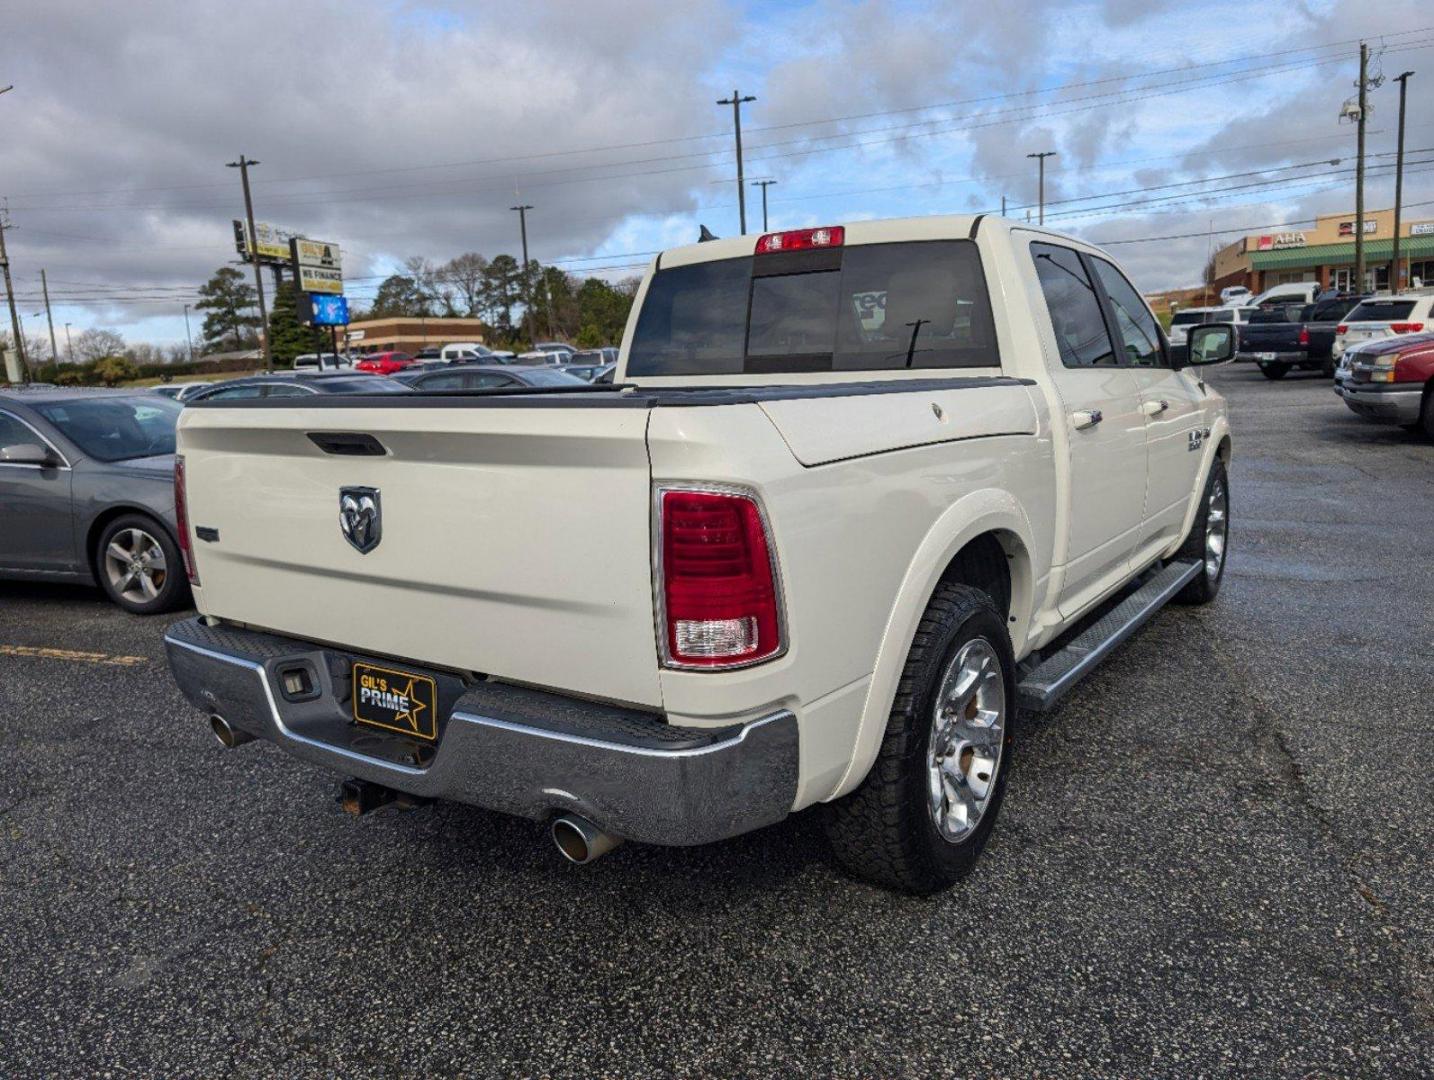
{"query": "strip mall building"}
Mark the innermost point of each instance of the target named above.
(1325, 253)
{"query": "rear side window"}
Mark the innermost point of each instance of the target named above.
(1382, 311)
(1074, 307)
(1139, 333)
(870, 307)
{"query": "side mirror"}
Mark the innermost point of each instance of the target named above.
(27, 454)
(1211, 343)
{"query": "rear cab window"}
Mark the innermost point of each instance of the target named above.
(864, 307)
(1381, 311)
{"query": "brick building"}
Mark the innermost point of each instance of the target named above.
(1324, 253)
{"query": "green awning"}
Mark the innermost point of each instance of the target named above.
(1375, 251)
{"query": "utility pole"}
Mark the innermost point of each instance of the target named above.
(527, 291)
(1394, 278)
(69, 345)
(1003, 206)
(243, 165)
(764, 185)
(1359, 170)
(19, 336)
(188, 337)
(45, 288)
(1041, 197)
(737, 101)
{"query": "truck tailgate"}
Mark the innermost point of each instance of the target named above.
(514, 540)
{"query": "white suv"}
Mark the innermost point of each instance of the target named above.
(1385, 316)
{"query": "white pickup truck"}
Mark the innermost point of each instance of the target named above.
(855, 496)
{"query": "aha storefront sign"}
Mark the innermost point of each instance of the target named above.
(1276, 241)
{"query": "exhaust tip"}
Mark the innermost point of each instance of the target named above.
(580, 841)
(229, 737)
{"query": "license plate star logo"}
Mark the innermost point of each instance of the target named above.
(409, 717)
(361, 517)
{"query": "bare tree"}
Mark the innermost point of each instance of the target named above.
(465, 275)
(97, 343)
(424, 275)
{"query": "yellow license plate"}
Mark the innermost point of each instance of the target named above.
(398, 701)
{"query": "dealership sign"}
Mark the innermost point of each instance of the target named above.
(272, 246)
(1346, 228)
(317, 266)
(1275, 241)
(326, 310)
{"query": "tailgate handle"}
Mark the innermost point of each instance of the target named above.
(347, 443)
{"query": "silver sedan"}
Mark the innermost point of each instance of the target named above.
(87, 493)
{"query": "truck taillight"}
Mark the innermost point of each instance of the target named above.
(1342, 329)
(181, 519)
(1304, 335)
(828, 236)
(1406, 327)
(720, 603)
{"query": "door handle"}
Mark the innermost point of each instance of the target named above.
(1154, 408)
(1086, 418)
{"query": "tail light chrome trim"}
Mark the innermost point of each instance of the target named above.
(659, 582)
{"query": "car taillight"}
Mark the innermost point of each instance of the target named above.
(1304, 335)
(1342, 328)
(829, 236)
(1406, 327)
(720, 602)
(181, 519)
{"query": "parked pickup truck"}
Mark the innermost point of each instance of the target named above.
(1283, 337)
(861, 493)
(1391, 381)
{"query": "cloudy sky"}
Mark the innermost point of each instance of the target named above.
(409, 128)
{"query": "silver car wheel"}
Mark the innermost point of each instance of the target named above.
(968, 728)
(135, 565)
(1217, 512)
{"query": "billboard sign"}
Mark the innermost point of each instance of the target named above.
(272, 246)
(328, 310)
(318, 267)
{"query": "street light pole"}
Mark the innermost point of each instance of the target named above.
(45, 288)
(188, 337)
(737, 101)
(527, 292)
(243, 165)
(1041, 188)
(14, 315)
(1394, 278)
(764, 185)
(1359, 170)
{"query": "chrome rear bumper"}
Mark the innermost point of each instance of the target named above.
(505, 748)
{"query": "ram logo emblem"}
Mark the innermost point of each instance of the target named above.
(361, 517)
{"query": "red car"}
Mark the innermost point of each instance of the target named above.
(1393, 382)
(384, 363)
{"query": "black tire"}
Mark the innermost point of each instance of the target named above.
(1426, 414)
(1206, 585)
(140, 535)
(886, 831)
(1274, 371)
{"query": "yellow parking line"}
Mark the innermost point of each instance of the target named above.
(71, 654)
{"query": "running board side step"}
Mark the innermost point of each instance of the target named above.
(1046, 683)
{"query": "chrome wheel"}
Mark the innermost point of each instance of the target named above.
(1217, 512)
(135, 565)
(968, 729)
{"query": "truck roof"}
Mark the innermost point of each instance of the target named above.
(884, 231)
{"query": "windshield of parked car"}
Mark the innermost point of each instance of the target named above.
(116, 428)
(869, 307)
(550, 377)
(1381, 311)
(1190, 318)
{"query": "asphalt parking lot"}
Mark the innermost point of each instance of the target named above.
(1214, 859)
